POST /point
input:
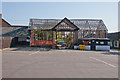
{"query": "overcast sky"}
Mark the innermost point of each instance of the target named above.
(19, 13)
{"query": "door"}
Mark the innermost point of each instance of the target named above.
(93, 44)
(65, 38)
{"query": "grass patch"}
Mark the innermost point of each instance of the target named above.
(117, 49)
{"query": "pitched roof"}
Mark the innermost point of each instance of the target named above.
(68, 23)
(20, 32)
(14, 30)
(89, 24)
(114, 36)
(43, 23)
(86, 24)
(7, 29)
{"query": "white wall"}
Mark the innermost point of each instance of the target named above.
(87, 47)
(102, 47)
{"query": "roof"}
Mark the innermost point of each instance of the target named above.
(89, 24)
(18, 26)
(67, 22)
(9, 30)
(43, 23)
(20, 32)
(114, 36)
(85, 24)
(93, 38)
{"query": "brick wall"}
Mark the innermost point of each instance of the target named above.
(4, 23)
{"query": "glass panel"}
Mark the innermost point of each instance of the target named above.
(64, 26)
(115, 43)
(42, 35)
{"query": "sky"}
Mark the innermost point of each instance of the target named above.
(19, 13)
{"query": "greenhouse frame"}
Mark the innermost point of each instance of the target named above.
(52, 32)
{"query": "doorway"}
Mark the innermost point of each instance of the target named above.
(64, 39)
(93, 44)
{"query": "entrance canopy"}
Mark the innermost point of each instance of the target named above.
(65, 25)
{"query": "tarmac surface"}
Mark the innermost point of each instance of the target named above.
(49, 63)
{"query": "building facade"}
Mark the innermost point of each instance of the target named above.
(52, 32)
(12, 35)
(114, 40)
(55, 31)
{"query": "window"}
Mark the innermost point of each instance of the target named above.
(116, 44)
(109, 43)
(97, 42)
